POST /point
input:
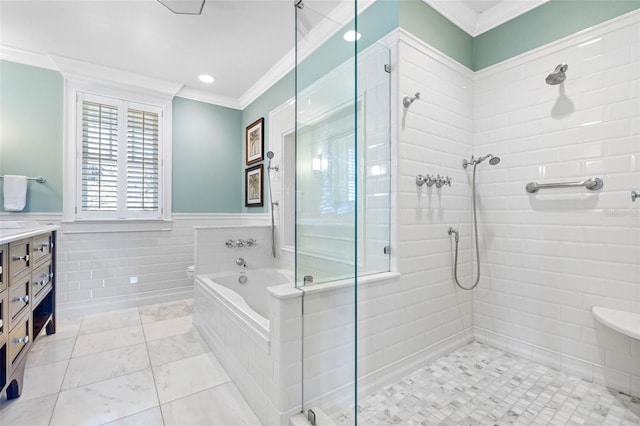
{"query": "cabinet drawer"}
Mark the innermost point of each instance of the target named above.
(3, 268)
(42, 279)
(18, 299)
(19, 258)
(42, 246)
(19, 338)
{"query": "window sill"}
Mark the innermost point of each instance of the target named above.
(86, 226)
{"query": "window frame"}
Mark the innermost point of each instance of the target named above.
(77, 89)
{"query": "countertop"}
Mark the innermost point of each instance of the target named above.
(13, 231)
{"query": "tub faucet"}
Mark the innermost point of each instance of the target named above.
(240, 262)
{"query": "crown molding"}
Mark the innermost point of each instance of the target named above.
(25, 57)
(474, 23)
(209, 97)
(79, 70)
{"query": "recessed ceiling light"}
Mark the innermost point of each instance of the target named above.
(206, 78)
(352, 35)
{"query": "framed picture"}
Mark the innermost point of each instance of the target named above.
(253, 188)
(254, 144)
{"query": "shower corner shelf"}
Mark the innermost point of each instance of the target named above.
(623, 322)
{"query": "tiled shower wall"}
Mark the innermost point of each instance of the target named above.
(433, 136)
(551, 256)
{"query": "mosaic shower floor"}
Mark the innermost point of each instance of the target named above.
(480, 385)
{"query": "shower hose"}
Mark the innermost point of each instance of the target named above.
(475, 228)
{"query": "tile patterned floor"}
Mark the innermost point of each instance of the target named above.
(480, 385)
(140, 366)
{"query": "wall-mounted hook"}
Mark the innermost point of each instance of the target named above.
(407, 101)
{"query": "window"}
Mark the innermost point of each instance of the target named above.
(119, 162)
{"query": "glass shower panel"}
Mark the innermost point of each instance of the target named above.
(326, 150)
(342, 199)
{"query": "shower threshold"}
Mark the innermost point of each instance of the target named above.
(481, 385)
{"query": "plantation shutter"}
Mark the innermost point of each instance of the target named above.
(142, 161)
(99, 173)
(119, 159)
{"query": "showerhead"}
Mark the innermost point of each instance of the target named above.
(558, 75)
(270, 155)
(493, 160)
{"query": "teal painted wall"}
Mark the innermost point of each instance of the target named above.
(206, 152)
(275, 96)
(31, 126)
(427, 24)
(207, 145)
(544, 24)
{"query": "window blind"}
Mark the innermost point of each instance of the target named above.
(99, 157)
(119, 163)
(142, 160)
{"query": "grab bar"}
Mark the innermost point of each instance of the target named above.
(38, 179)
(592, 184)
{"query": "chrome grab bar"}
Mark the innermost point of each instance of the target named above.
(592, 184)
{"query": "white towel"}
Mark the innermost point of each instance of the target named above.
(15, 192)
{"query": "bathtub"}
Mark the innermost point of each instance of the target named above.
(247, 299)
(254, 330)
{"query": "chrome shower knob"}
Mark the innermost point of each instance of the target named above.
(634, 195)
(251, 242)
(230, 244)
(240, 243)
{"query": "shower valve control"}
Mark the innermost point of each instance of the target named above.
(251, 242)
(442, 181)
(230, 244)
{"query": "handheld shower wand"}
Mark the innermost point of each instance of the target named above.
(273, 203)
(474, 162)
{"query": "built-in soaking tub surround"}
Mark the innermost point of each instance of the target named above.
(246, 293)
(251, 319)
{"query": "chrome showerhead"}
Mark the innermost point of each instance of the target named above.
(558, 75)
(493, 160)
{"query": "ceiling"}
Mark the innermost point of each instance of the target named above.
(236, 41)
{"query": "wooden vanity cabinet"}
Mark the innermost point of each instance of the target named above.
(4, 321)
(27, 303)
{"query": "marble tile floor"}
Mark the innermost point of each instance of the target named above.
(144, 366)
(481, 385)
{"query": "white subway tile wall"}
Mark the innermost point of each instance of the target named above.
(404, 322)
(549, 257)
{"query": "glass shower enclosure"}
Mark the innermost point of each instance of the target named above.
(341, 196)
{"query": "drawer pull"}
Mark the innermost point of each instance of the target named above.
(1, 323)
(24, 339)
(18, 258)
(24, 299)
(41, 249)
